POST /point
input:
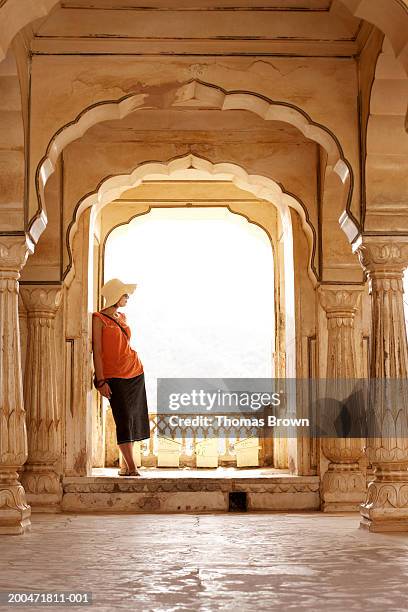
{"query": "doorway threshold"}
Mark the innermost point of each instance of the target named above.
(189, 490)
(186, 472)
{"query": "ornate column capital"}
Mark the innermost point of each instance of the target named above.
(383, 254)
(41, 300)
(340, 300)
(14, 251)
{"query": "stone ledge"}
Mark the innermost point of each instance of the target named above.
(148, 494)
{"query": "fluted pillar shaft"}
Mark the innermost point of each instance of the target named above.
(386, 505)
(14, 509)
(343, 485)
(41, 389)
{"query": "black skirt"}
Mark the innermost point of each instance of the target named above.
(129, 408)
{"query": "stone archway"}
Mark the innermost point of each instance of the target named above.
(195, 94)
(146, 221)
(387, 15)
(384, 141)
(379, 11)
(195, 167)
(261, 186)
(12, 147)
(78, 281)
(387, 146)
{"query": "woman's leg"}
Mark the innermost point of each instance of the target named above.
(127, 452)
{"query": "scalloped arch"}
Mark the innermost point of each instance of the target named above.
(387, 142)
(12, 147)
(193, 94)
(191, 166)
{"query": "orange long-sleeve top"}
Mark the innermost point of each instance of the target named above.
(119, 359)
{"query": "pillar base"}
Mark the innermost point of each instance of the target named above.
(15, 512)
(343, 488)
(45, 503)
(43, 488)
(344, 506)
(376, 526)
(386, 507)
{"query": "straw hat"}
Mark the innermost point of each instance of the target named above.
(113, 290)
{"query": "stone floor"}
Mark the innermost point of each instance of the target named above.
(236, 561)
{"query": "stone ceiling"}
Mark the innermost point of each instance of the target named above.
(203, 27)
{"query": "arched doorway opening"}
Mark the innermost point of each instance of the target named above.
(272, 207)
(205, 309)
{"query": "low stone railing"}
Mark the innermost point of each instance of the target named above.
(189, 437)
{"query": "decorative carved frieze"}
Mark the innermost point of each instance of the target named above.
(158, 485)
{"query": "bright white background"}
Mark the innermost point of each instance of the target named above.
(204, 303)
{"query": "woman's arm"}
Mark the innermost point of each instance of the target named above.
(97, 353)
(97, 346)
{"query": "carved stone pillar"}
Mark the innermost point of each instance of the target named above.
(14, 510)
(386, 505)
(343, 485)
(42, 483)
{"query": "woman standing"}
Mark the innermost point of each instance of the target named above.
(119, 374)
